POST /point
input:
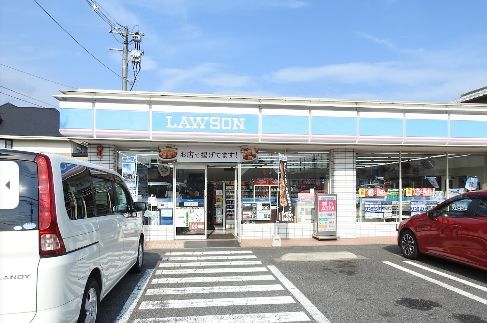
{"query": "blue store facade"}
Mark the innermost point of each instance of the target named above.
(210, 164)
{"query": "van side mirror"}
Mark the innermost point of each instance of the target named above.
(140, 206)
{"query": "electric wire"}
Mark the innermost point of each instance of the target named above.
(77, 42)
(20, 99)
(27, 96)
(37, 76)
(115, 26)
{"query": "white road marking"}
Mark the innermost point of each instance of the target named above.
(184, 280)
(210, 263)
(195, 258)
(302, 299)
(209, 270)
(131, 302)
(214, 302)
(213, 289)
(199, 253)
(437, 282)
(463, 281)
(233, 318)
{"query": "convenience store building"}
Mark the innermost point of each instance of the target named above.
(211, 165)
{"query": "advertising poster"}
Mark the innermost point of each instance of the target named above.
(418, 207)
(181, 218)
(326, 213)
(129, 172)
(373, 209)
(248, 211)
(263, 211)
(285, 210)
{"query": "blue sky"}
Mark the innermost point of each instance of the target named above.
(406, 50)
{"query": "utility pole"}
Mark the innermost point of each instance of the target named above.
(123, 32)
(125, 54)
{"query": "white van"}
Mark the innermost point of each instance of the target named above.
(69, 231)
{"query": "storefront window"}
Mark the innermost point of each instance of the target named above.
(307, 174)
(260, 189)
(423, 182)
(377, 187)
(467, 172)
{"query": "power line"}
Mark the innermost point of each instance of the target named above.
(36, 76)
(15, 97)
(47, 103)
(123, 32)
(77, 42)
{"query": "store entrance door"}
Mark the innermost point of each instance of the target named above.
(190, 210)
(221, 201)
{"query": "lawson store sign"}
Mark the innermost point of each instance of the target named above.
(166, 123)
(280, 125)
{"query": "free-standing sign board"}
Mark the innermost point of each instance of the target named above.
(325, 217)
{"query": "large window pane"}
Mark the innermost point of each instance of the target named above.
(423, 181)
(467, 172)
(377, 186)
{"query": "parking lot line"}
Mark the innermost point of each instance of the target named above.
(210, 279)
(210, 263)
(439, 283)
(196, 258)
(302, 299)
(215, 302)
(233, 318)
(199, 253)
(463, 281)
(131, 302)
(209, 270)
(213, 289)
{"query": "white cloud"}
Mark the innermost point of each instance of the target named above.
(227, 81)
(183, 8)
(208, 75)
(358, 72)
(148, 63)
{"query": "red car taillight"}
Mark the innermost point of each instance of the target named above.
(50, 240)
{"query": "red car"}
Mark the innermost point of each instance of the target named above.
(455, 229)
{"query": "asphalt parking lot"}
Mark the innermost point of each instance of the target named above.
(338, 283)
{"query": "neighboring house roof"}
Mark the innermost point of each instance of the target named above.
(28, 121)
(475, 96)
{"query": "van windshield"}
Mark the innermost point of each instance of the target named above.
(18, 195)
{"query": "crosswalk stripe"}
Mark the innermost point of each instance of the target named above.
(182, 280)
(213, 302)
(233, 318)
(213, 289)
(194, 258)
(209, 270)
(196, 253)
(211, 263)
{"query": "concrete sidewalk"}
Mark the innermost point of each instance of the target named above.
(266, 243)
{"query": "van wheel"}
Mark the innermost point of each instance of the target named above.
(90, 303)
(137, 268)
(409, 244)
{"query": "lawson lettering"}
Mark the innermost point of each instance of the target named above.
(223, 123)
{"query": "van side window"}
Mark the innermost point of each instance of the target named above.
(78, 191)
(123, 199)
(102, 184)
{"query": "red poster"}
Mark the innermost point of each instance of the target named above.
(327, 205)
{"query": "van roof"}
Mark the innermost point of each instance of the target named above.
(30, 155)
